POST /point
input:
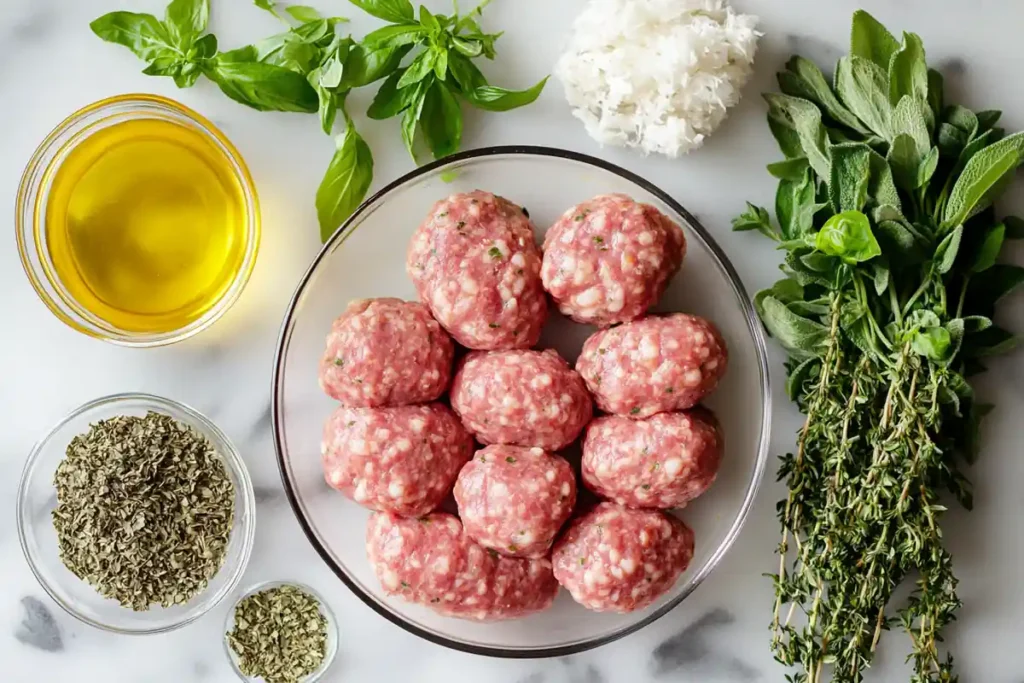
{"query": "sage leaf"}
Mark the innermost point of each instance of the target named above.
(897, 240)
(799, 375)
(264, 87)
(976, 323)
(795, 206)
(951, 140)
(988, 287)
(798, 334)
(491, 98)
(393, 11)
(881, 185)
(908, 119)
(805, 119)
(849, 174)
(908, 71)
(905, 162)
(993, 341)
(962, 118)
(345, 183)
(988, 119)
(143, 34)
(441, 120)
(848, 235)
(787, 290)
(755, 218)
(863, 86)
(926, 169)
(804, 79)
(881, 278)
(856, 323)
(872, 41)
(790, 169)
(936, 92)
(984, 177)
(988, 249)
(946, 252)
(1014, 227)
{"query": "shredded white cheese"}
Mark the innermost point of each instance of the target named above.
(656, 74)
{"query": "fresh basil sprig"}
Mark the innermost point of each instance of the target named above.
(311, 68)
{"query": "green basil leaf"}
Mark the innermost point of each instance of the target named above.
(469, 48)
(345, 183)
(395, 36)
(264, 87)
(802, 78)
(205, 47)
(441, 121)
(984, 177)
(429, 21)
(800, 335)
(932, 342)
(186, 20)
(946, 252)
(390, 101)
(908, 71)
(989, 248)
(755, 218)
(795, 206)
(441, 64)
(466, 74)
(849, 176)
(303, 13)
(848, 235)
(1014, 227)
(366, 65)
(328, 108)
(394, 11)
(410, 119)
(872, 41)
(247, 53)
(863, 87)
(289, 51)
(422, 65)
(143, 34)
(790, 169)
(803, 118)
(491, 98)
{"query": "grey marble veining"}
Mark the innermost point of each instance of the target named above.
(52, 65)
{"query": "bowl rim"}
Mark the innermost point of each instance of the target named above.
(742, 297)
(233, 460)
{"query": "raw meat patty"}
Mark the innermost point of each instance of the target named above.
(515, 499)
(609, 259)
(431, 562)
(615, 559)
(525, 398)
(654, 365)
(386, 352)
(476, 264)
(402, 460)
(664, 461)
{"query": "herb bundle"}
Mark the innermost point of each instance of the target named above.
(311, 68)
(144, 510)
(884, 212)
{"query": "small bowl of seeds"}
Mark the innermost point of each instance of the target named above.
(281, 632)
(136, 514)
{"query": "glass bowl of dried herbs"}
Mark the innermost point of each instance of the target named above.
(136, 514)
(281, 632)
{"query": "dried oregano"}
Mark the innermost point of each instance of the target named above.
(144, 510)
(280, 635)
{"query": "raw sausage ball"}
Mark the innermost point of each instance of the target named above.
(609, 259)
(386, 352)
(616, 559)
(664, 461)
(525, 398)
(476, 264)
(431, 562)
(654, 365)
(515, 499)
(402, 460)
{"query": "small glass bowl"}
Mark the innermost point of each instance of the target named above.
(37, 498)
(30, 213)
(332, 630)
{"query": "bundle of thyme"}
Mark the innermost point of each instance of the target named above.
(884, 212)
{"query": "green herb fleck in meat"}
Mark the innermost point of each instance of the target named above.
(495, 253)
(510, 460)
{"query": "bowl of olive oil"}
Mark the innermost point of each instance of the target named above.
(137, 221)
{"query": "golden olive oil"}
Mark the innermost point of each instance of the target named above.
(146, 224)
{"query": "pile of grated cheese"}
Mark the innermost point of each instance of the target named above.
(659, 75)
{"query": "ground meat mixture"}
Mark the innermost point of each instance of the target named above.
(402, 460)
(616, 559)
(476, 264)
(654, 365)
(386, 352)
(514, 500)
(431, 562)
(525, 398)
(609, 259)
(664, 461)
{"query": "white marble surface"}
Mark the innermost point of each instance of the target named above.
(51, 65)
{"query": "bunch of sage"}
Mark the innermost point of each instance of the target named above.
(311, 68)
(884, 213)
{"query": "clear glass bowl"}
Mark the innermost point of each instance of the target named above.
(366, 258)
(37, 499)
(30, 213)
(332, 630)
